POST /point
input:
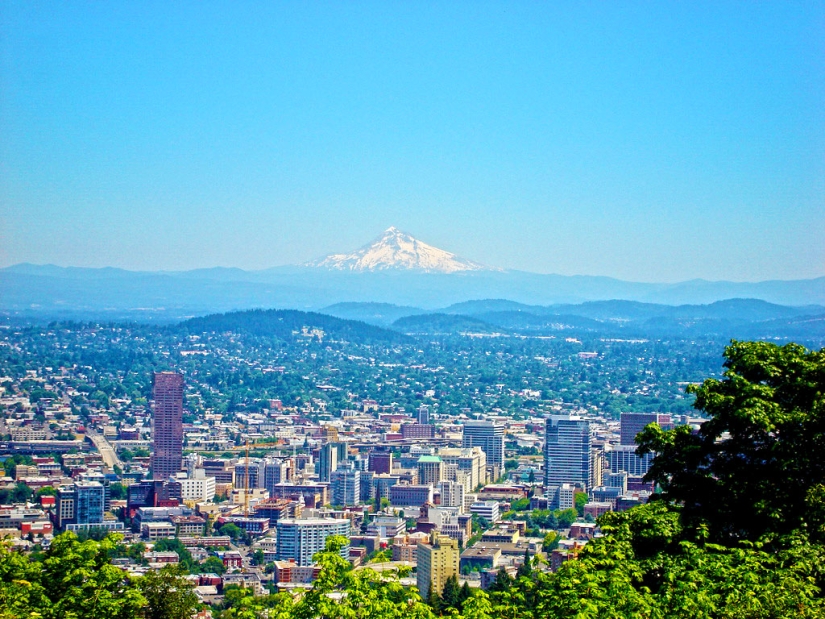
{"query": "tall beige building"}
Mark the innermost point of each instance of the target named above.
(436, 563)
(468, 465)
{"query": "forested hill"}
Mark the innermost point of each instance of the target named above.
(443, 324)
(289, 325)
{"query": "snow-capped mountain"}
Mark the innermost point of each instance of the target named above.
(399, 251)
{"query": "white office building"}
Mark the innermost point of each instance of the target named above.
(567, 453)
(300, 539)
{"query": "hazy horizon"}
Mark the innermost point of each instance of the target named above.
(648, 143)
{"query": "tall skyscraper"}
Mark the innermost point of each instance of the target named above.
(623, 458)
(345, 484)
(277, 471)
(327, 461)
(567, 453)
(488, 436)
(633, 423)
(255, 477)
(167, 432)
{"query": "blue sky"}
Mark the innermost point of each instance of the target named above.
(645, 141)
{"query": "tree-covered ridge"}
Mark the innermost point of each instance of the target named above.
(287, 324)
(443, 323)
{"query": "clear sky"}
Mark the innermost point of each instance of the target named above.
(648, 141)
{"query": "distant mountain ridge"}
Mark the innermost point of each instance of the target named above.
(732, 318)
(110, 293)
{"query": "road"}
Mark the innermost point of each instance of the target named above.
(106, 450)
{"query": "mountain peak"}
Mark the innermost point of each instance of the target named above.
(397, 250)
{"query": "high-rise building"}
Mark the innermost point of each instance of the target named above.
(380, 462)
(167, 426)
(276, 471)
(300, 539)
(383, 483)
(345, 484)
(417, 431)
(195, 486)
(436, 563)
(81, 506)
(424, 414)
(468, 465)
(409, 494)
(367, 487)
(624, 458)
(255, 476)
(487, 435)
(452, 494)
(633, 423)
(567, 453)
(329, 459)
(430, 470)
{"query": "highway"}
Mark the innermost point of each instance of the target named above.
(106, 450)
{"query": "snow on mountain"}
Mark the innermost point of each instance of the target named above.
(397, 250)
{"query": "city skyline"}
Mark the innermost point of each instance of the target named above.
(647, 143)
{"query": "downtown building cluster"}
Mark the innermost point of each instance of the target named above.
(261, 492)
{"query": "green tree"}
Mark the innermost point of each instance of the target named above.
(117, 491)
(550, 542)
(502, 581)
(451, 594)
(581, 500)
(750, 467)
(168, 595)
(175, 545)
(232, 530)
(465, 594)
(78, 580)
(212, 565)
(525, 569)
(20, 493)
(566, 517)
(433, 599)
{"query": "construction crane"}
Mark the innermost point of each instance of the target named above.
(246, 483)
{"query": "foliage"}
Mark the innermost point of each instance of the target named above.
(748, 470)
(117, 491)
(231, 529)
(168, 595)
(175, 545)
(211, 565)
(520, 505)
(11, 462)
(20, 493)
(550, 542)
(581, 500)
(76, 579)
